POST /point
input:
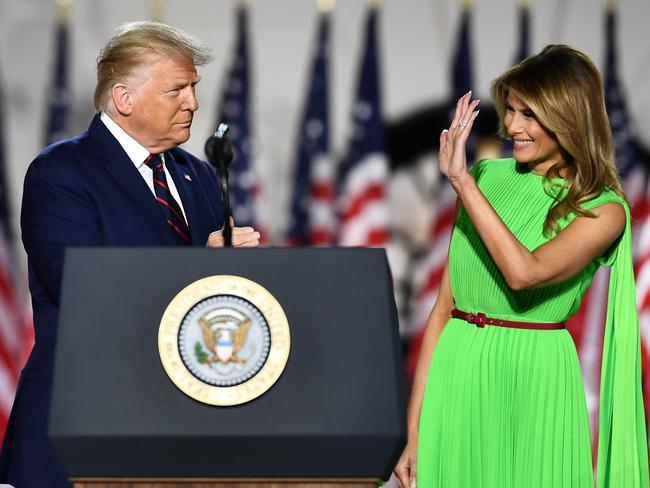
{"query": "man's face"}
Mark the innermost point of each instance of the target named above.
(163, 103)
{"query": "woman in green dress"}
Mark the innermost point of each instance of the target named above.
(498, 399)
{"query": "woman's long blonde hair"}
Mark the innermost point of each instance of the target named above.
(564, 90)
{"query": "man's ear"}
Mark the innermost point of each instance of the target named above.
(122, 99)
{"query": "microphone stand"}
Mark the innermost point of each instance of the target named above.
(218, 149)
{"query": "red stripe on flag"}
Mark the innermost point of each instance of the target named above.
(321, 237)
(444, 221)
(376, 191)
(377, 237)
(321, 191)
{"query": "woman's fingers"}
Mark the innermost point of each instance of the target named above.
(459, 109)
(466, 123)
(465, 106)
(443, 139)
(402, 474)
(466, 115)
(463, 134)
(405, 470)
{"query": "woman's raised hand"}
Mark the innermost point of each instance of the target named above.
(452, 157)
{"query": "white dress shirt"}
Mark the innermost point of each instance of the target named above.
(137, 154)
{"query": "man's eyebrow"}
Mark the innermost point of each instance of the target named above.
(182, 84)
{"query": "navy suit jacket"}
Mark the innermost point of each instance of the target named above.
(85, 191)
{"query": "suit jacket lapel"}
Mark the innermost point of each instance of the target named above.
(184, 182)
(121, 168)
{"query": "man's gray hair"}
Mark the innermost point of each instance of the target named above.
(132, 47)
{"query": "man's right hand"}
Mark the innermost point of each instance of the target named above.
(241, 237)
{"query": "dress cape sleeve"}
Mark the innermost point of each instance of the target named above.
(622, 436)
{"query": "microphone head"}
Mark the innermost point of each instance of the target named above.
(218, 148)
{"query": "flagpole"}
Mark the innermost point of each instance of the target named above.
(63, 11)
(466, 4)
(56, 125)
(325, 6)
(157, 10)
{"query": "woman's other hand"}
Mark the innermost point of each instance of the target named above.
(406, 468)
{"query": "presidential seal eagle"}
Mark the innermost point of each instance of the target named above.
(224, 342)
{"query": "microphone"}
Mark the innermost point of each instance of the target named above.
(218, 150)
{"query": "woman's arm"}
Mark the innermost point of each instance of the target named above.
(406, 467)
(571, 250)
(562, 257)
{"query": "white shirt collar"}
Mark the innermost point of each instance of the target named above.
(136, 152)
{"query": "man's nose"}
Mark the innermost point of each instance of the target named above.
(191, 102)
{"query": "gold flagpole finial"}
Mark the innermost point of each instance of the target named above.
(242, 3)
(157, 10)
(524, 3)
(325, 6)
(374, 3)
(63, 10)
(610, 4)
(466, 4)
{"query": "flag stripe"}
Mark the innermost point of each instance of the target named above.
(364, 172)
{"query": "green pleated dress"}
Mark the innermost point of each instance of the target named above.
(506, 407)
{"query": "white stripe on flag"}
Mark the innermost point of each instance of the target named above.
(374, 216)
(591, 343)
(372, 169)
(7, 391)
(9, 332)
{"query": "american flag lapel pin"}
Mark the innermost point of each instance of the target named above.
(187, 177)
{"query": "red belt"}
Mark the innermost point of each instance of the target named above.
(481, 320)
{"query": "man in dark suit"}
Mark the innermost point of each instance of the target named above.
(124, 182)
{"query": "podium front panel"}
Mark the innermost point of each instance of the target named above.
(336, 411)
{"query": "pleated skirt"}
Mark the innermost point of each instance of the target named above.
(504, 408)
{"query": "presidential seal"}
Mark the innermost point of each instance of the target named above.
(224, 340)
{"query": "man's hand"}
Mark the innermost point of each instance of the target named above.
(241, 237)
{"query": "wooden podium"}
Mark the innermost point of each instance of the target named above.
(334, 418)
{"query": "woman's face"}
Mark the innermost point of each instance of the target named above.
(532, 143)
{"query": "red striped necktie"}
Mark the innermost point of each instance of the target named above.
(168, 205)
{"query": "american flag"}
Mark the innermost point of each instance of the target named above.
(364, 172)
(587, 325)
(445, 203)
(523, 51)
(58, 96)
(16, 333)
(312, 210)
(524, 33)
(235, 110)
(634, 173)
